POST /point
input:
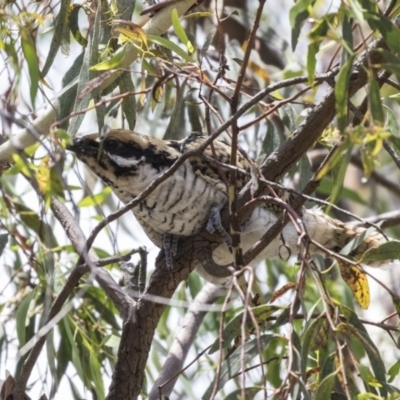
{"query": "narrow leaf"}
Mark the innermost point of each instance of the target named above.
(29, 50)
(233, 328)
(21, 315)
(232, 365)
(97, 199)
(342, 93)
(375, 102)
(386, 28)
(170, 46)
(356, 279)
(369, 346)
(114, 62)
(128, 103)
(74, 25)
(297, 15)
(60, 37)
(325, 387)
(180, 32)
(3, 242)
(385, 252)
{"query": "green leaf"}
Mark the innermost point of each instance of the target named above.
(392, 64)
(354, 243)
(66, 100)
(31, 219)
(375, 102)
(21, 315)
(325, 387)
(177, 119)
(113, 62)
(29, 50)
(180, 32)
(308, 340)
(368, 378)
(96, 199)
(340, 174)
(272, 140)
(368, 396)
(89, 59)
(326, 186)
(250, 393)
(357, 329)
(63, 134)
(75, 355)
(357, 10)
(3, 242)
(113, 341)
(394, 371)
(384, 252)
(232, 365)
(60, 37)
(170, 46)
(96, 375)
(297, 15)
(386, 28)
(128, 103)
(74, 24)
(316, 36)
(342, 93)
(391, 121)
(289, 117)
(233, 328)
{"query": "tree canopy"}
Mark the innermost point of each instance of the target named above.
(310, 90)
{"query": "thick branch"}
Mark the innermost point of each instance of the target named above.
(139, 328)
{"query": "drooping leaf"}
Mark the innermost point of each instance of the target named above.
(316, 36)
(231, 366)
(357, 280)
(386, 28)
(297, 15)
(74, 24)
(112, 63)
(324, 387)
(180, 32)
(21, 315)
(370, 348)
(342, 93)
(128, 103)
(375, 102)
(29, 50)
(97, 199)
(170, 46)
(385, 252)
(60, 37)
(233, 328)
(3, 242)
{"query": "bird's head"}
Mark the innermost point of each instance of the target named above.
(123, 154)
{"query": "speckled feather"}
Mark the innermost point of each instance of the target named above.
(129, 162)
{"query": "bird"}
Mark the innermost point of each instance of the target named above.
(191, 199)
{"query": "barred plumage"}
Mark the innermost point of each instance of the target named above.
(129, 162)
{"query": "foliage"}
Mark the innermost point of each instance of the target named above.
(307, 337)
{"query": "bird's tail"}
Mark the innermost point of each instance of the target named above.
(336, 235)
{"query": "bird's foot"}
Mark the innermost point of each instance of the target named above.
(214, 225)
(170, 245)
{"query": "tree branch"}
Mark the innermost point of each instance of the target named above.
(183, 341)
(56, 313)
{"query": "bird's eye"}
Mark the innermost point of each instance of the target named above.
(111, 145)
